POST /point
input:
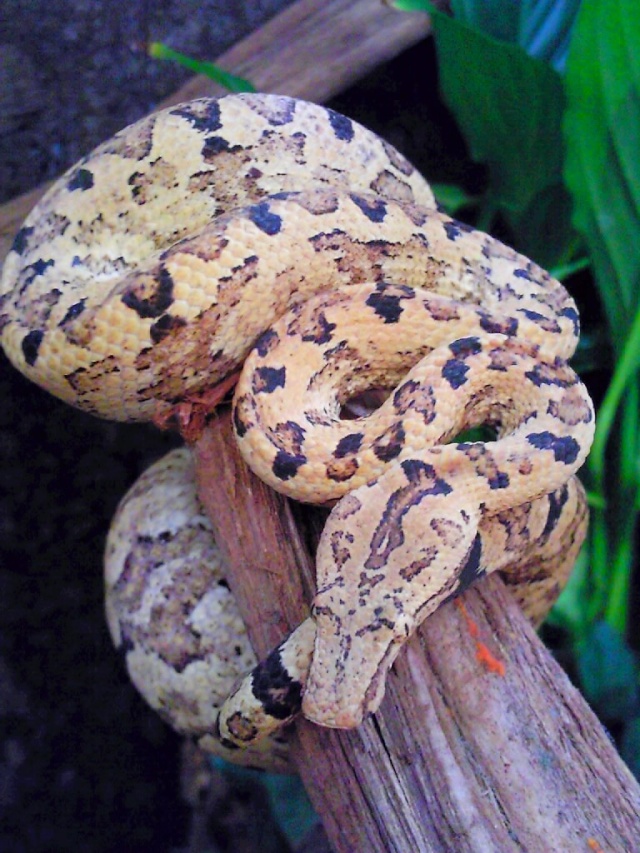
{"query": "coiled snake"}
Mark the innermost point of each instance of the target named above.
(261, 233)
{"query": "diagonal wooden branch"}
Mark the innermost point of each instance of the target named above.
(463, 755)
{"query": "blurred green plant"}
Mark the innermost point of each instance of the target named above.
(547, 95)
(158, 50)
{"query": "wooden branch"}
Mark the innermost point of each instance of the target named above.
(258, 534)
(313, 49)
(462, 755)
(12, 215)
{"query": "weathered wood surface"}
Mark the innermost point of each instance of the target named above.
(461, 756)
(313, 49)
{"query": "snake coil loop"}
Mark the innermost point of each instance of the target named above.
(260, 234)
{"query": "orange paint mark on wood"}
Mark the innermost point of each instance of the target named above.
(484, 655)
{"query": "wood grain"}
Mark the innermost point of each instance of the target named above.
(461, 756)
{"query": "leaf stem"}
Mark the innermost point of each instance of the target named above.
(617, 607)
(625, 368)
(565, 270)
(600, 566)
(487, 214)
(158, 50)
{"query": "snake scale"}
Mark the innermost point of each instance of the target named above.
(260, 237)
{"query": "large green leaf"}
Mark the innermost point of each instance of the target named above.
(497, 18)
(509, 107)
(602, 138)
(541, 27)
(630, 745)
(545, 29)
(608, 672)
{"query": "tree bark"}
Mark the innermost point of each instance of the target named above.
(481, 742)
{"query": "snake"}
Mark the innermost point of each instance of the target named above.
(171, 614)
(270, 244)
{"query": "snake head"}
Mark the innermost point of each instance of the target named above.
(416, 546)
(345, 686)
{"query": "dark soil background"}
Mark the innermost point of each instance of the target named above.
(84, 765)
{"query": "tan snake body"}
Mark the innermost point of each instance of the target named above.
(149, 272)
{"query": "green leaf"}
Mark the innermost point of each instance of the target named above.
(630, 746)
(452, 197)
(410, 5)
(608, 672)
(158, 50)
(497, 18)
(594, 349)
(545, 29)
(570, 268)
(541, 27)
(509, 107)
(569, 611)
(288, 800)
(602, 139)
(543, 230)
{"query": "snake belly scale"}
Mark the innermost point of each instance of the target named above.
(261, 234)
